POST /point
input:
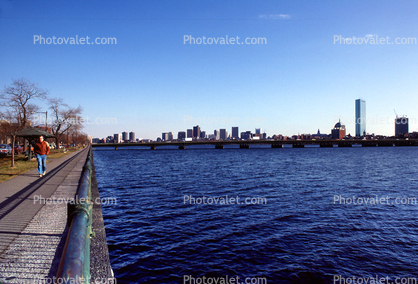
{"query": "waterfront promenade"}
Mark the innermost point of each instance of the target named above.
(33, 232)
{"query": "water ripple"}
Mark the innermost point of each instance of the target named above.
(300, 236)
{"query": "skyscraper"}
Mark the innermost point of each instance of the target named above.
(181, 135)
(401, 125)
(196, 131)
(217, 134)
(189, 133)
(235, 133)
(360, 117)
(223, 134)
(132, 136)
(125, 136)
(117, 138)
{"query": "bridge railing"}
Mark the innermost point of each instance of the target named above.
(75, 261)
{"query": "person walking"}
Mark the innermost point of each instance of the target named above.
(41, 150)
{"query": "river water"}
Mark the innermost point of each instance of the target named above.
(312, 215)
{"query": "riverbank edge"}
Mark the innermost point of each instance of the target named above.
(100, 267)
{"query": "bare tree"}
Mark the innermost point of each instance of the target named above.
(9, 127)
(17, 99)
(65, 118)
(77, 136)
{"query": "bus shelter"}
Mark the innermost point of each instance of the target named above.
(32, 134)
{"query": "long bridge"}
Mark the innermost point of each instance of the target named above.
(245, 144)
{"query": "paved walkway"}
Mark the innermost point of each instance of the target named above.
(32, 230)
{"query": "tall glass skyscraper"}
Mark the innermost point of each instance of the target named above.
(401, 125)
(235, 133)
(360, 117)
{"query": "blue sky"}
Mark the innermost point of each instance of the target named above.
(151, 82)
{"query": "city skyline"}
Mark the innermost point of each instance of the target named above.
(338, 132)
(401, 126)
(149, 79)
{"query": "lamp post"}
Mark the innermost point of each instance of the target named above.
(68, 128)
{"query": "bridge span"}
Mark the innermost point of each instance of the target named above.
(245, 144)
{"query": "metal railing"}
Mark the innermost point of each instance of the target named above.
(75, 261)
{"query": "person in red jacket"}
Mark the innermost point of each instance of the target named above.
(41, 150)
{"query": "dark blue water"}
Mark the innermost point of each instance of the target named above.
(302, 234)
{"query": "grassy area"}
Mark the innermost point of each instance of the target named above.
(22, 165)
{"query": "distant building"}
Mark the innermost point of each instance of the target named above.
(167, 136)
(202, 134)
(360, 117)
(235, 133)
(117, 138)
(338, 132)
(96, 140)
(319, 135)
(181, 135)
(125, 136)
(189, 133)
(217, 134)
(401, 126)
(258, 131)
(246, 135)
(132, 136)
(196, 131)
(223, 134)
(277, 137)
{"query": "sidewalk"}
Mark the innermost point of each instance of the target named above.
(31, 232)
